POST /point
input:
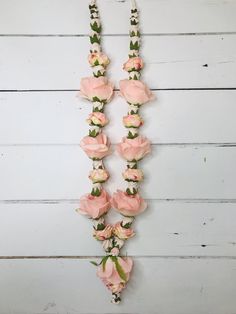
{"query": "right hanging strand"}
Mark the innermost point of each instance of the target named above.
(133, 147)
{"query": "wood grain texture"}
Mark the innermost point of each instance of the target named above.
(157, 16)
(175, 117)
(171, 61)
(164, 286)
(165, 229)
(184, 251)
(60, 172)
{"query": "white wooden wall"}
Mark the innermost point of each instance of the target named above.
(185, 248)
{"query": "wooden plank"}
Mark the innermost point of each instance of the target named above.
(175, 117)
(171, 62)
(170, 16)
(60, 172)
(166, 229)
(169, 286)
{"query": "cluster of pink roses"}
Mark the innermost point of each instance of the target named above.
(97, 206)
(115, 272)
(130, 149)
(118, 230)
(93, 88)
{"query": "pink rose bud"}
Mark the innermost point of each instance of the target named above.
(134, 149)
(94, 206)
(133, 64)
(96, 87)
(98, 58)
(128, 205)
(115, 251)
(135, 175)
(96, 147)
(98, 175)
(104, 234)
(110, 276)
(135, 92)
(97, 118)
(132, 121)
(121, 232)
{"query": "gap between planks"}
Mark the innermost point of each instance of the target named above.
(122, 35)
(116, 90)
(197, 145)
(80, 257)
(75, 201)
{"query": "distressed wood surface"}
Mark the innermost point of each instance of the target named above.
(60, 172)
(185, 246)
(165, 229)
(171, 61)
(163, 286)
(175, 117)
(157, 16)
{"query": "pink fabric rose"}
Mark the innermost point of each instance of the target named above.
(110, 276)
(132, 121)
(134, 149)
(135, 175)
(98, 87)
(133, 64)
(135, 92)
(98, 175)
(98, 58)
(104, 234)
(128, 205)
(121, 232)
(94, 206)
(97, 118)
(96, 147)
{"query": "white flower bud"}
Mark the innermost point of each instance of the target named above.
(97, 21)
(133, 131)
(132, 186)
(100, 221)
(98, 68)
(134, 74)
(127, 220)
(94, 127)
(134, 53)
(133, 108)
(135, 39)
(97, 105)
(119, 242)
(98, 164)
(107, 244)
(134, 28)
(95, 47)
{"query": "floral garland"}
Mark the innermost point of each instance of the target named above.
(114, 270)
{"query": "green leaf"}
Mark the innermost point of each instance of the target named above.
(135, 166)
(120, 271)
(93, 133)
(134, 46)
(104, 260)
(127, 225)
(95, 27)
(100, 227)
(94, 263)
(95, 98)
(128, 191)
(131, 135)
(96, 192)
(94, 39)
(133, 22)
